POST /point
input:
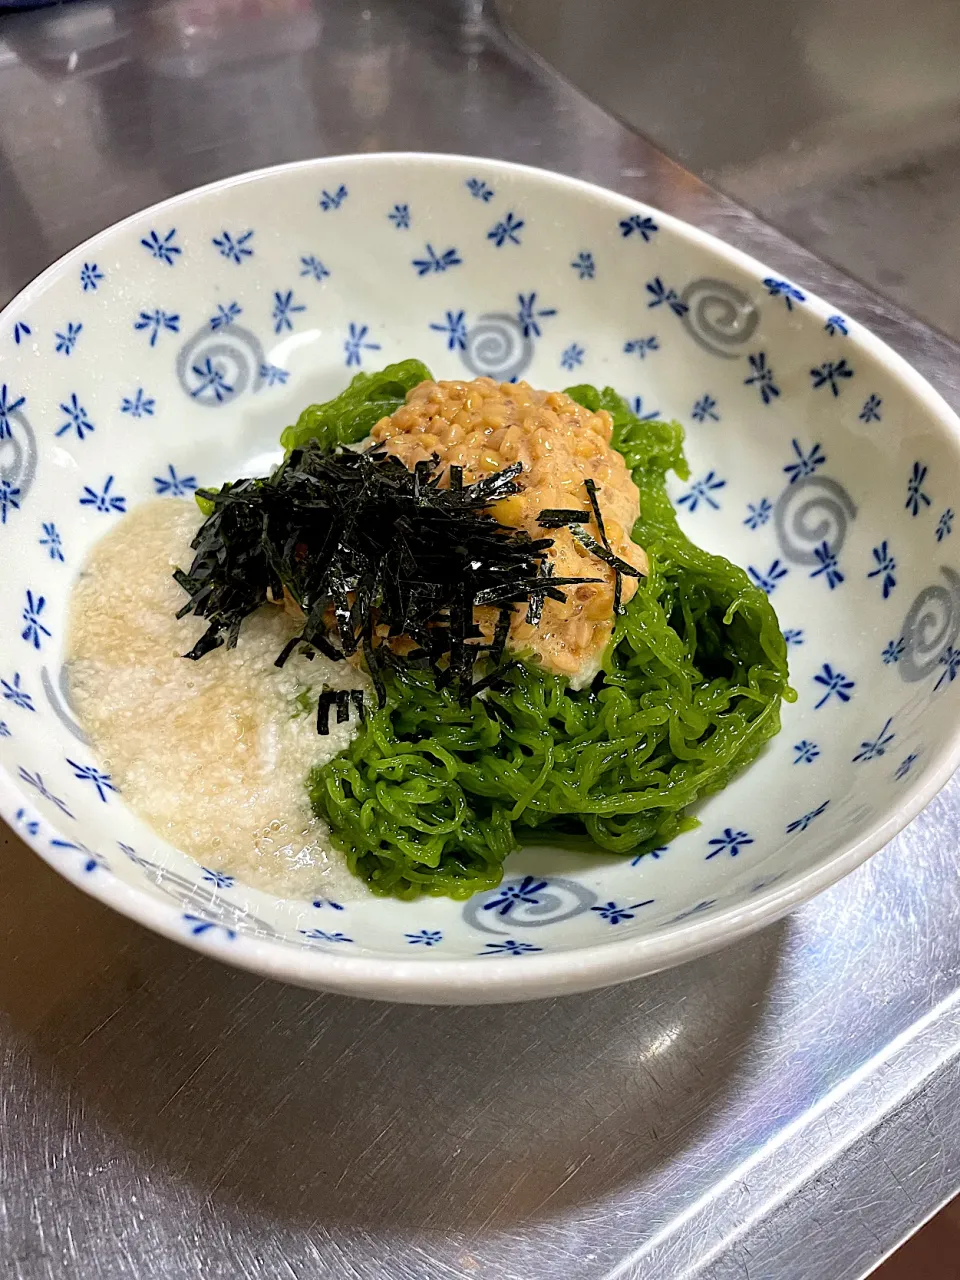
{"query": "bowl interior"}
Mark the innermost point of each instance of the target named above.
(171, 350)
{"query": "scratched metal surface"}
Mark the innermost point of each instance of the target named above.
(782, 1110)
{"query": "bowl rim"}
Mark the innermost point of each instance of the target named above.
(463, 980)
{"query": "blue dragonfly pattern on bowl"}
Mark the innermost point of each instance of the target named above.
(91, 277)
(768, 579)
(873, 748)
(236, 248)
(917, 498)
(454, 328)
(156, 322)
(52, 541)
(34, 629)
(162, 247)
(77, 420)
(10, 405)
(284, 309)
(434, 263)
(758, 513)
(507, 230)
(762, 377)
(785, 290)
(139, 405)
(585, 265)
(705, 410)
(66, 338)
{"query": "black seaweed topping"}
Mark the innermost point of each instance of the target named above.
(371, 551)
(557, 518)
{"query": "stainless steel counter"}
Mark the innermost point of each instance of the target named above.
(837, 123)
(785, 1109)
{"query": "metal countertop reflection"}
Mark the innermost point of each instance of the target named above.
(784, 1109)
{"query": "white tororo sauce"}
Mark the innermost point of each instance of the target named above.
(213, 754)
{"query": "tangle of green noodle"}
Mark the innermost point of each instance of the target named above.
(431, 796)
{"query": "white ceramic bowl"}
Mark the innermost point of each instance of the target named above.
(171, 349)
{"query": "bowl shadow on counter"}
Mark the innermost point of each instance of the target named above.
(303, 1108)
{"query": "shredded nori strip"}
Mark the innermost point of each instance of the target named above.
(559, 518)
(371, 551)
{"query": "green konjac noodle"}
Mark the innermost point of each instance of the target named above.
(431, 795)
(353, 414)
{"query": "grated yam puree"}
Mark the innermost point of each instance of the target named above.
(212, 754)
